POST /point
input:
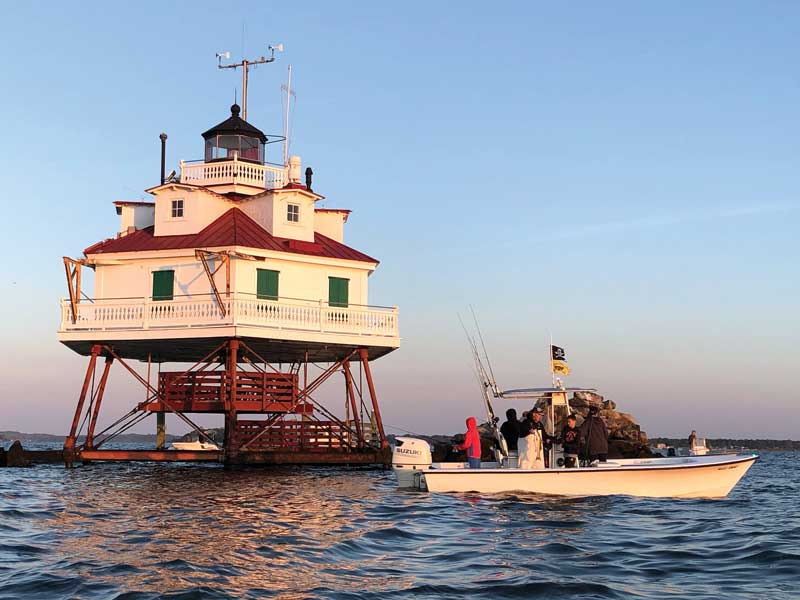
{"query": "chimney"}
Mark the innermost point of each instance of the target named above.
(163, 138)
(309, 175)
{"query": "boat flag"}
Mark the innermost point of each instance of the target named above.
(558, 360)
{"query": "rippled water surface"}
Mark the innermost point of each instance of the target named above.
(185, 531)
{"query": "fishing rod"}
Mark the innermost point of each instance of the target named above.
(486, 381)
(485, 354)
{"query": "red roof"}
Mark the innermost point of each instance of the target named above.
(234, 228)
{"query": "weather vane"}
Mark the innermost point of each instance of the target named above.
(246, 64)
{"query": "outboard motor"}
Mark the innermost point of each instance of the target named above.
(409, 457)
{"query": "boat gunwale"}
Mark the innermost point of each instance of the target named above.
(514, 471)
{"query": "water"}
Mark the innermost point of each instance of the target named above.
(189, 531)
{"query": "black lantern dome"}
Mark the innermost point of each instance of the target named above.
(235, 138)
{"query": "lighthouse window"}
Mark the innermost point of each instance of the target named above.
(293, 213)
(266, 284)
(163, 285)
(177, 209)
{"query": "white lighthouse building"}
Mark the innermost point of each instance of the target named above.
(233, 268)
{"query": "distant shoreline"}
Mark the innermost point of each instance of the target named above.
(10, 436)
(713, 443)
(730, 443)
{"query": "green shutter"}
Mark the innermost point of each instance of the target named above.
(338, 291)
(163, 285)
(266, 284)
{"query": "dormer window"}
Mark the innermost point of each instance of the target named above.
(293, 213)
(177, 209)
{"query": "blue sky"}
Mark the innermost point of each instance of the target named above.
(620, 174)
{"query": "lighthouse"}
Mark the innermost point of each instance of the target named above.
(231, 292)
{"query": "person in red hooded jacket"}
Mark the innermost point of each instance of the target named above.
(472, 444)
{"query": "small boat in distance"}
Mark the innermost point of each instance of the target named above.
(196, 445)
(698, 446)
(694, 476)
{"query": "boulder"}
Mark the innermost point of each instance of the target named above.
(628, 449)
(15, 456)
(217, 435)
(581, 401)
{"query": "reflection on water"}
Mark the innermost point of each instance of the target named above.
(198, 526)
(186, 531)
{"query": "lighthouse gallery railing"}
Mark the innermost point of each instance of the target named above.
(234, 171)
(241, 309)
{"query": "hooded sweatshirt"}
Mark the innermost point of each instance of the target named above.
(472, 440)
(570, 439)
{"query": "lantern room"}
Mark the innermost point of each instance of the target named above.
(234, 138)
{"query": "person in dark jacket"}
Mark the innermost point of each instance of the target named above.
(594, 436)
(510, 429)
(570, 440)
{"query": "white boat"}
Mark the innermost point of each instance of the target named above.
(695, 476)
(207, 446)
(679, 477)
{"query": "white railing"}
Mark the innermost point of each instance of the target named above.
(240, 309)
(234, 171)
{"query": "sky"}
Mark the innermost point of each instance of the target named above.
(619, 175)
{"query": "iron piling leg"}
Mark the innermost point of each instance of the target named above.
(69, 443)
(348, 377)
(375, 409)
(161, 430)
(231, 433)
(100, 392)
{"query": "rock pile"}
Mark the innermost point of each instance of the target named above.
(625, 437)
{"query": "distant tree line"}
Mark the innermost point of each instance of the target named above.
(142, 438)
(721, 443)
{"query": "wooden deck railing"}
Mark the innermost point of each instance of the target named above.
(241, 309)
(207, 391)
(293, 435)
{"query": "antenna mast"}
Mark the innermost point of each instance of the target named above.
(289, 93)
(246, 64)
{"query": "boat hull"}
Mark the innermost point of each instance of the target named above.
(195, 446)
(696, 477)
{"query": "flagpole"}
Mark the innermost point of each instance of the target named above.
(551, 412)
